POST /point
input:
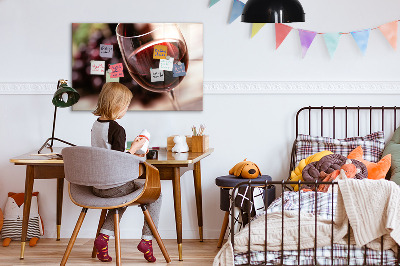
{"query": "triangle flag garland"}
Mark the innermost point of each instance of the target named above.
(255, 28)
(306, 39)
(361, 37)
(213, 2)
(332, 41)
(237, 9)
(389, 30)
(281, 31)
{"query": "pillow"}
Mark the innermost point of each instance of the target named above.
(12, 224)
(329, 164)
(372, 144)
(375, 170)
(296, 174)
(393, 148)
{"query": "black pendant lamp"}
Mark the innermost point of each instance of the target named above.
(273, 11)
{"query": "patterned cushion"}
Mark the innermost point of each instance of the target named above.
(372, 144)
(13, 228)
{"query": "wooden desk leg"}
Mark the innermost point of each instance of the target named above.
(27, 206)
(199, 204)
(176, 183)
(60, 190)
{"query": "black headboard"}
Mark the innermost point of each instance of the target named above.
(344, 121)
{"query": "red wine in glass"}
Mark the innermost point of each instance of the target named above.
(141, 60)
(136, 42)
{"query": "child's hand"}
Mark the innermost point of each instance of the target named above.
(137, 144)
(143, 155)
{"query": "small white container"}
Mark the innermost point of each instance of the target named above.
(144, 134)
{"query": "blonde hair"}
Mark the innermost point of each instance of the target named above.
(112, 99)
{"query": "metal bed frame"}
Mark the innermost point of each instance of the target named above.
(283, 184)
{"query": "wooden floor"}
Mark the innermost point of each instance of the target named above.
(50, 252)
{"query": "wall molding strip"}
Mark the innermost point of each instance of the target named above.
(245, 87)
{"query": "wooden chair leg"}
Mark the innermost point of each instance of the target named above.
(223, 229)
(154, 230)
(101, 222)
(117, 238)
(73, 237)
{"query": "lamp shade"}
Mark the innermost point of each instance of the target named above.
(273, 11)
(72, 96)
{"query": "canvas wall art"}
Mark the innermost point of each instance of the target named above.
(161, 63)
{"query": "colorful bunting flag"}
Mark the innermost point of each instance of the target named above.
(332, 41)
(361, 37)
(389, 30)
(256, 27)
(281, 31)
(306, 39)
(213, 2)
(237, 9)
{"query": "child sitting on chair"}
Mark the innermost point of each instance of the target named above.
(114, 100)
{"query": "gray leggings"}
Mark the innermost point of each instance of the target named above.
(154, 208)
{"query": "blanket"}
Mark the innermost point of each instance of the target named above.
(371, 207)
(274, 235)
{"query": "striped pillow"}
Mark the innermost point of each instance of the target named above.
(372, 145)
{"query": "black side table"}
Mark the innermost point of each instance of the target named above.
(226, 183)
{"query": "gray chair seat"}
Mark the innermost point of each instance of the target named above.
(85, 167)
(83, 196)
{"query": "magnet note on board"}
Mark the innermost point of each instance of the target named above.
(166, 64)
(179, 70)
(156, 75)
(97, 67)
(110, 79)
(106, 50)
(117, 70)
(160, 51)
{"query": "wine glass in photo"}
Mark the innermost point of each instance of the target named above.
(137, 42)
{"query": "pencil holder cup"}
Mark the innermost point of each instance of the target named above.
(200, 143)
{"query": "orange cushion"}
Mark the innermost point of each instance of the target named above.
(375, 170)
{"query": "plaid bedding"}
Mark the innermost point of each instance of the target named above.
(340, 253)
(306, 202)
(323, 207)
(372, 145)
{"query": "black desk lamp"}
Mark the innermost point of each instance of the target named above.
(64, 97)
(273, 11)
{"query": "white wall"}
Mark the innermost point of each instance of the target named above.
(35, 47)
